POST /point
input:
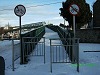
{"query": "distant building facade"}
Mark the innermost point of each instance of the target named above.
(96, 14)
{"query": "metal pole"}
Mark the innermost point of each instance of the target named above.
(44, 50)
(78, 56)
(73, 40)
(21, 51)
(50, 57)
(74, 25)
(12, 55)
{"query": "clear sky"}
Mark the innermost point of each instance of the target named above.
(48, 13)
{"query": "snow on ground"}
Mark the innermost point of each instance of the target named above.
(89, 61)
(6, 51)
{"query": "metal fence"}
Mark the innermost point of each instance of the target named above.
(15, 52)
(33, 46)
(60, 53)
(27, 37)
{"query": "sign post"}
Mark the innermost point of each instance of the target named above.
(20, 10)
(74, 25)
(74, 10)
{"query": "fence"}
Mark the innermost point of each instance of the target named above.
(33, 46)
(60, 53)
(37, 33)
(64, 34)
(15, 52)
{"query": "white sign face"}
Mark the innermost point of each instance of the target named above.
(74, 9)
(20, 10)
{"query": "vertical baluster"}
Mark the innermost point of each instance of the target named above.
(44, 50)
(59, 53)
(56, 53)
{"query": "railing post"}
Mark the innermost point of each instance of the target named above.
(50, 57)
(73, 50)
(12, 55)
(44, 50)
(78, 56)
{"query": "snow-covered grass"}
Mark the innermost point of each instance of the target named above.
(89, 61)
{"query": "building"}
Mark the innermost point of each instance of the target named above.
(96, 14)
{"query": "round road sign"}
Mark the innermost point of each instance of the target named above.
(20, 10)
(74, 9)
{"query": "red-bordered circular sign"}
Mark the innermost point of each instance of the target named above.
(20, 10)
(74, 9)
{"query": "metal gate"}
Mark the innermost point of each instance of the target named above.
(60, 53)
(34, 46)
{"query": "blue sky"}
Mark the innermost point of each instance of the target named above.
(48, 13)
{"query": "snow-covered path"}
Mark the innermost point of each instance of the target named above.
(6, 51)
(36, 65)
(89, 62)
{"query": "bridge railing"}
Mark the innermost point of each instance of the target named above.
(64, 34)
(36, 35)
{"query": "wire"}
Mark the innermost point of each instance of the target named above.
(5, 9)
(34, 6)
(44, 4)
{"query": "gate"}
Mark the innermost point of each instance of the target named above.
(60, 53)
(34, 46)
